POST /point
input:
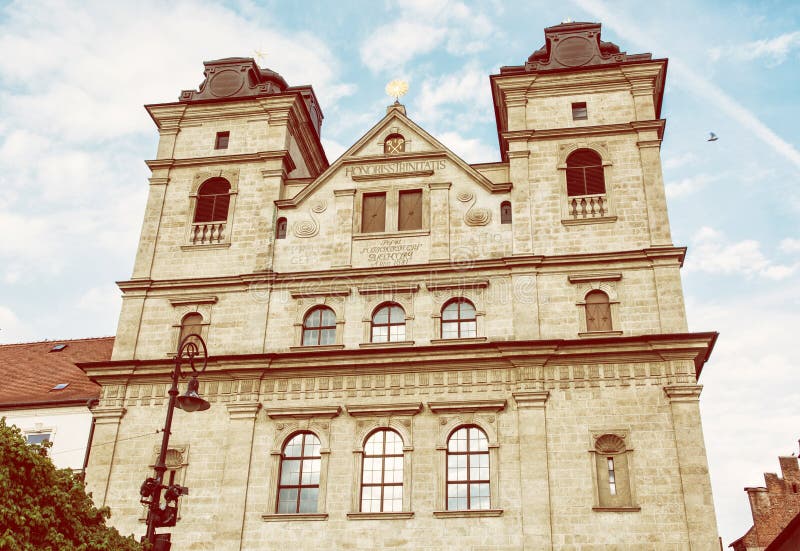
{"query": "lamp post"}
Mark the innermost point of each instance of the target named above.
(191, 350)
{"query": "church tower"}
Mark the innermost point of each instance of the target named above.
(408, 350)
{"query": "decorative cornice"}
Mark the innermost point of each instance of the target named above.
(391, 176)
(377, 410)
(581, 278)
(683, 393)
(404, 287)
(320, 292)
(194, 299)
(108, 416)
(456, 284)
(344, 192)
(396, 515)
(281, 154)
(466, 406)
(243, 410)
(468, 513)
(440, 185)
(310, 412)
(535, 399)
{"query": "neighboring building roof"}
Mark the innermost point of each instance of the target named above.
(789, 538)
(30, 372)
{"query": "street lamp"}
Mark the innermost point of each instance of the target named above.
(193, 350)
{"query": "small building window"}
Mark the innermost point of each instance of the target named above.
(410, 210)
(585, 173)
(382, 473)
(612, 472)
(388, 324)
(38, 438)
(298, 481)
(467, 469)
(579, 112)
(213, 199)
(459, 320)
(191, 324)
(373, 213)
(598, 311)
(394, 144)
(221, 142)
(60, 386)
(280, 228)
(319, 327)
(505, 212)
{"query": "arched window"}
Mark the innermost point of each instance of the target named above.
(394, 144)
(389, 323)
(467, 469)
(382, 473)
(213, 199)
(505, 212)
(458, 320)
(613, 476)
(319, 327)
(598, 311)
(280, 228)
(298, 483)
(191, 323)
(585, 173)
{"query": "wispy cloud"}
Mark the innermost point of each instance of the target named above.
(774, 50)
(462, 98)
(469, 149)
(686, 77)
(689, 185)
(790, 245)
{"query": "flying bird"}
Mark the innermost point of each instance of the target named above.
(712, 137)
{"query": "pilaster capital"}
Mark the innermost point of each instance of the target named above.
(535, 399)
(439, 185)
(683, 393)
(108, 416)
(243, 410)
(344, 192)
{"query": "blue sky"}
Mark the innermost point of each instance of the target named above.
(73, 137)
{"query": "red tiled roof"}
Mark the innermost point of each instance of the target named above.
(29, 371)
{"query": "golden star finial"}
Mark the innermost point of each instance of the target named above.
(260, 55)
(397, 88)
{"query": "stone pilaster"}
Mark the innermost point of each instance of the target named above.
(533, 469)
(440, 221)
(522, 226)
(701, 521)
(343, 237)
(236, 475)
(101, 458)
(650, 154)
(143, 264)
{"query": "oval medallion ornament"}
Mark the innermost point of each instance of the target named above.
(574, 51)
(226, 83)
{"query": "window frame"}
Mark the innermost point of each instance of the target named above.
(389, 324)
(624, 500)
(281, 228)
(573, 210)
(459, 321)
(468, 482)
(219, 233)
(222, 140)
(391, 211)
(417, 222)
(594, 309)
(506, 213)
(300, 486)
(320, 328)
(394, 151)
(383, 484)
(586, 284)
(580, 111)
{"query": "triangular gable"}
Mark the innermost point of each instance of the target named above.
(395, 117)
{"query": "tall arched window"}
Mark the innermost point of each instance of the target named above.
(191, 323)
(505, 212)
(388, 324)
(394, 144)
(598, 311)
(458, 320)
(382, 473)
(213, 199)
(280, 228)
(319, 327)
(585, 173)
(467, 469)
(298, 483)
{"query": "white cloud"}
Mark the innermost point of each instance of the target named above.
(467, 91)
(774, 50)
(102, 299)
(670, 163)
(712, 252)
(390, 46)
(689, 185)
(790, 245)
(471, 150)
(12, 329)
(333, 149)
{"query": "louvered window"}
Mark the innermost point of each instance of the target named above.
(410, 210)
(598, 312)
(585, 173)
(213, 199)
(373, 215)
(505, 212)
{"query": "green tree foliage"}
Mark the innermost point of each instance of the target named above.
(44, 508)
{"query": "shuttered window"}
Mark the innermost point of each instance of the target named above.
(598, 312)
(373, 213)
(213, 199)
(585, 173)
(410, 210)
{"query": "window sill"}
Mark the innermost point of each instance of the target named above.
(596, 220)
(617, 509)
(279, 517)
(205, 246)
(390, 235)
(468, 513)
(385, 344)
(458, 341)
(380, 516)
(317, 348)
(591, 334)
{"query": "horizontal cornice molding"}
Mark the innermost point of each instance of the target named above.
(466, 406)
(585, 131)
(281, 154)
(378, 410)
(323, 412)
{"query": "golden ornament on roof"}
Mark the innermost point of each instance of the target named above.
(397, 88)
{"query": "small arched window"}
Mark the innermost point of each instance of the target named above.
(505, 212)
(458, 320)
(213, 199)
(585, 173)
(319, 327)
(394, 144)
(191, 324)
(280, 228)
(467, 469)
(298, 483)
(613, 476)
(598, 311)
(388, 324)
(382, 473)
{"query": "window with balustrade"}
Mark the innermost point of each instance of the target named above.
(212, 206)
(587, 197)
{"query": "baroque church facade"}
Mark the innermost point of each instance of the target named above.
(406, 350)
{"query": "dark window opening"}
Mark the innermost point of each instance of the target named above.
(192, 324)
(410, 210)
(598, 312)
(58, 347)
(505, 212)
(579, 111)
(373, 215)
(213, 199)
(222, 140)
(585, 173)
(280, 229)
